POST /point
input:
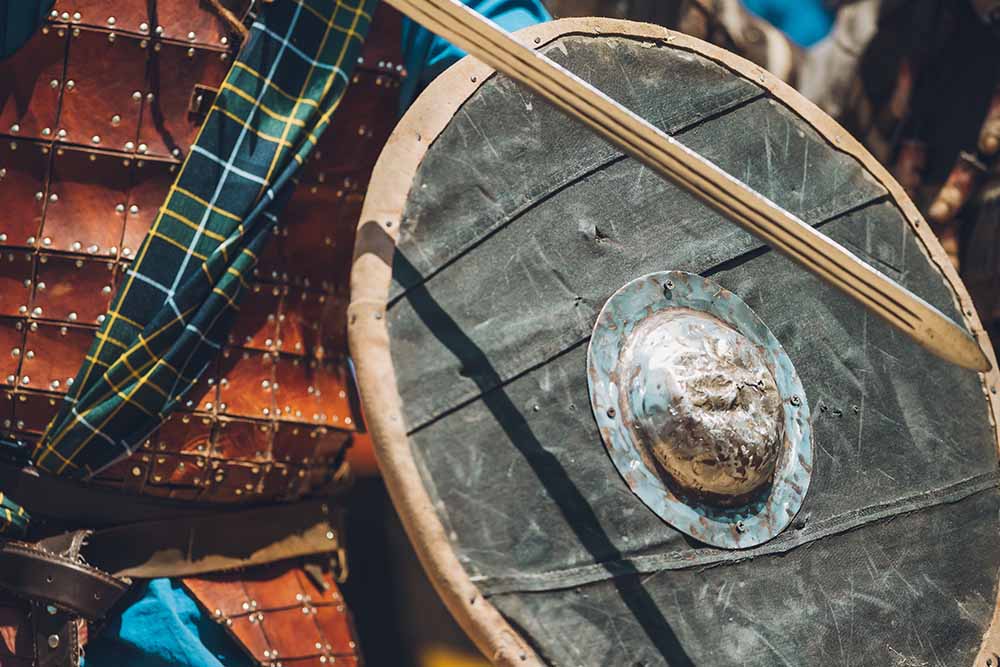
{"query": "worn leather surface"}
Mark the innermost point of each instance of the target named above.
(100, 109)
(286, 613)
(49, 573)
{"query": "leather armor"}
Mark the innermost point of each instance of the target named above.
(97, 111)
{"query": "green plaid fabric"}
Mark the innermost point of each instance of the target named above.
(179, 298)
(12, 516)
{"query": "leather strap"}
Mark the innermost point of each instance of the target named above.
(71, 502)
(57, 636)
(227, 541)
(48, 576)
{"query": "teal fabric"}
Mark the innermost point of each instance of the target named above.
(19, 19)
(425, 55)
(804, 21)
(164, 627)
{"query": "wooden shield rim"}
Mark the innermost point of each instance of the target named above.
(371, 278)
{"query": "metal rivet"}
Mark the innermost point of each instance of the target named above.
(36, 311)
(795, 400)
(54, 83)
(96, 139)
(137, 96)
(72, 317)
(53, 197)
(143, 27)
(191, 36)
(61, 133)
(26, 380)
(129, 145)
(53, 641)
(30, 354)
(70, 84)
(133, 209)
(330, 535)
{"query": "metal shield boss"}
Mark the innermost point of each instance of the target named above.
(700, 409)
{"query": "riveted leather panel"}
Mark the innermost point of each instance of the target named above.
(169, 126)
(23, 166)
(31, 84)
(82, 179)
(282, 613)
(85, 208)
(101, 105)
(151, 179)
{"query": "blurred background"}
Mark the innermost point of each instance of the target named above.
(399, 618)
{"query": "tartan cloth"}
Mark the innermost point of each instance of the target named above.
(173, 310)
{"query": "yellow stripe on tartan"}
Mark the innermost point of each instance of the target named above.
(245, 124)
(284, 93)
(180, 246)
(359, 9)
(273, 114)
(126, 400)
(331, 78)
(211, 207)
(215, 236)
(154, 360)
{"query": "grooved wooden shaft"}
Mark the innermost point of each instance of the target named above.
(826, 259)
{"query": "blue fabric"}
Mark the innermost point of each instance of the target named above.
(425, 55)
(804, 21)
(165, 627)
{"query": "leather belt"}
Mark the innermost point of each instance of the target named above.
(71, 502)
(50, 573)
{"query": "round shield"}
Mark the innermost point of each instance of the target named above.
(622, 431)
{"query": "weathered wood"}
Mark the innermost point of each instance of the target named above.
(534, 503)
(534, 287)
(519, 150)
